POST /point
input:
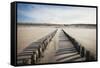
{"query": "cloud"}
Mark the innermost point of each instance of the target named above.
(56, 14)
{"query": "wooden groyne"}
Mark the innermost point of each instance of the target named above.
(81, 49)
(32, 53)
(68, 50)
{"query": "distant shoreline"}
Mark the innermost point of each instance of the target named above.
(59, 25)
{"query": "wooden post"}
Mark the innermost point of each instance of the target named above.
(82, 51)
(87, 55)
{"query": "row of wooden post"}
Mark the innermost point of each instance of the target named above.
(33, 53)
(81, 49)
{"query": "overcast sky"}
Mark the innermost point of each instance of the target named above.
(36, 13)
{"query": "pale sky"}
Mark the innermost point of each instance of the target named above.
(36, 13)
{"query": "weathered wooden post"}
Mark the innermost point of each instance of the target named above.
(82, 51)
(34, 59)
(87, 55)
(34, 51)
(25, 58)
